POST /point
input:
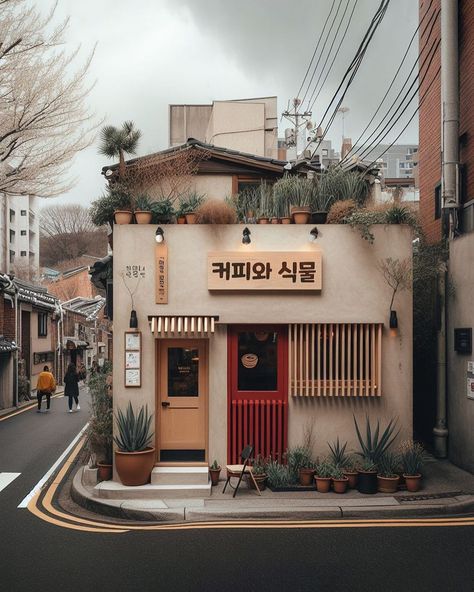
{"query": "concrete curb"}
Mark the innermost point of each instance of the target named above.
(131, 510)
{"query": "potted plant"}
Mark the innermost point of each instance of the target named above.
(412, 456)
(338, 453)
(281, 201)
(143, 209)
(320, 207)
(162, 211)
(134, 458)
(265, 206)
(215, 211)
(215, 471)
(323, 475)
(349, 469)
(181, 214)
(387, 477)
(301, 196)
(116, 200)
(189, 203)
(99, 431)
(259, 470)
(300, 465)
(339, 480)
(372, 449)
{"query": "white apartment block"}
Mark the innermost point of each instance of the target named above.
(19, 236)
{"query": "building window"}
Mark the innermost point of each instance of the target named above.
(335, 359)
(12, 256)
(23, 253)
(42, 324)
(23, 233)
(437, 201)
(12, 236)
(23, 213)
(325, 152)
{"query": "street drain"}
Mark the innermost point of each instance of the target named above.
(428, 496)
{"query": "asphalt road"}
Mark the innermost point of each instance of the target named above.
(37, 556)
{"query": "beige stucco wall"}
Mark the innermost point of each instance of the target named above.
(353, 291)
(460, 314)
(214, 186)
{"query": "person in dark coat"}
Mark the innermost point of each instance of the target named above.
(71, 386)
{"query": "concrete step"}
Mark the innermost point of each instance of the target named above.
(180, 476)
(113, 490)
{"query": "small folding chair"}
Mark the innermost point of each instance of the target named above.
(238, 471)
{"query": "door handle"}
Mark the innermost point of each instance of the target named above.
(165, 403)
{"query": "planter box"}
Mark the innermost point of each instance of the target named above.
(89, 476)
(292, 488)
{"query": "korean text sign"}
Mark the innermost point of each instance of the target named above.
(273, 270)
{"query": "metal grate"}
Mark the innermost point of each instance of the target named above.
(428, 496)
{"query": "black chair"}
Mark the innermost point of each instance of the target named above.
(239, 471)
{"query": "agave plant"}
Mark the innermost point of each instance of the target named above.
(338, 453)
(389, 464)
(324, 468)
(134, 431)
(372, 446)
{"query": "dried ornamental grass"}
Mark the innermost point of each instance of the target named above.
(340, 210)
(216, 211)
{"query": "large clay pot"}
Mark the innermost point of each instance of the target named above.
(352, 478)
(215, 473)
(306, 477)
(367, 482)
(340, 485)
(134, 468)
(301, 217)
(123, 216)
(323, 484)
(387, 484)
(413, 482)
(190, 218)
(181, 220)
(143, 217)
(104, 472)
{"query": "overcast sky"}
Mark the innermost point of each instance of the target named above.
(151, 53)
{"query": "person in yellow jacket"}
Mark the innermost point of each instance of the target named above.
(45, 386)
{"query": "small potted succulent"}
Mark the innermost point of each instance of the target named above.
(215, 471)
(189, 204)
(339, 480)
(281, 202)
(300, 465)
(350, 470)
(143, 209)
(162, 211)
(265, 206)
(412, 456)
(323, 475)
(387, 478)
(259, 471)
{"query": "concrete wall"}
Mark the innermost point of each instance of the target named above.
(460, 314)
(353, 291)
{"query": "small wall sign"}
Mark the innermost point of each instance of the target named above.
(132, 358)
(470, 380)
(297, 270)
(161, 273)
(463, 340)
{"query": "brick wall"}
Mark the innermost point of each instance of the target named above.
(8, 319)
(429, 155)
(466, 83)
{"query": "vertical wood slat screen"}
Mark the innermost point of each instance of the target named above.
(335, 359)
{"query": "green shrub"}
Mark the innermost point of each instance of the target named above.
(134, 431)
(412, 456)
(163, 211)
(324, 468)
(372, 446)
(278, 475)
(298, 458)
(115, 198)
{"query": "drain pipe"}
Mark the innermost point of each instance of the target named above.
(450, 197)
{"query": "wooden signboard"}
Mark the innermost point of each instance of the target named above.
(273, 270)
(161, 273)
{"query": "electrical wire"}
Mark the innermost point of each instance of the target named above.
(316, 49)
(435, 15)
(310, 106)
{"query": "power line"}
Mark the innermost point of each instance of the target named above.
(434, 14)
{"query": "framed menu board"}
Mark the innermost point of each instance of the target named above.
(132, 359)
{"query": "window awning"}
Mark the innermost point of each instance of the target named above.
(73, 343)
(182, 326)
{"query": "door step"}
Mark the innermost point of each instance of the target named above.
(114, 490)
(180, 476)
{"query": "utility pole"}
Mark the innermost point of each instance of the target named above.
(298, 120)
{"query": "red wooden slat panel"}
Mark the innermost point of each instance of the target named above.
(274, 427)
(245, 416)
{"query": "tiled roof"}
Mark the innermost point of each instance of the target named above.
(87, 307)
(6, 345)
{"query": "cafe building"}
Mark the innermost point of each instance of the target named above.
(253, 337)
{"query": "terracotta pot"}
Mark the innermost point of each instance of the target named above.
(123, 216)
(274, 221)
(340, 485)
(294, 209)
(352, 478)
(190, 218)
(261, 480)
(306, 476)
(134, 468)
(367, 481)
(413, 482)
(181, 219)
(263, 220)
(143, 217)
(301, 217)
(285, 220)
(215, 473)
(319, 217)
(104, 472)
(323, 484)
(387, 484)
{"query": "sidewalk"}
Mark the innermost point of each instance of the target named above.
(447, 490)
(30, 403)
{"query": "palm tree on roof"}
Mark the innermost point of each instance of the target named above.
(118, 142)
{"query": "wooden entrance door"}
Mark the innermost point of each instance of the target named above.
(182, 400)
(258, 390)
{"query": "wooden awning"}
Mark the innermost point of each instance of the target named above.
(182, 326)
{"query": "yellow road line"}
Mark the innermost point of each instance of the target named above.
(76, 523)
(26, 408)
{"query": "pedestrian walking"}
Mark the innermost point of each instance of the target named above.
(45, 387)
(71, 386)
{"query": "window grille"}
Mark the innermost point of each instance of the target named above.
(335, 359)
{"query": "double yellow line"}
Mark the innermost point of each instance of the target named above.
(26, 408)
(41, 506)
